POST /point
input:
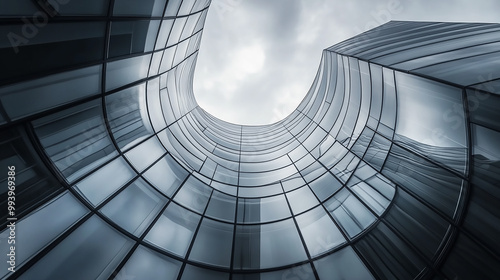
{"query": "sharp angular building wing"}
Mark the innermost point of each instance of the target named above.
(388, 169)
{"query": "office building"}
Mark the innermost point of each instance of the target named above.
(388, 169)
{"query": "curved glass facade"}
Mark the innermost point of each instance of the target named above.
(386, 170)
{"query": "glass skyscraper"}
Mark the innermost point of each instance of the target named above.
(388, 169)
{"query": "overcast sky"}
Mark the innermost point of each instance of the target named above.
(258, 58)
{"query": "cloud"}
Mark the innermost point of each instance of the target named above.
(258, 58)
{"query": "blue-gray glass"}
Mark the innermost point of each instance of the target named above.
(325, 186)
(174, 230)
(472, 45)
(135, 207)
(149, 264)
(483, 108)
(389, 105)
(193, 272)
(361, 145)
(147, 8)
(34, 181)
(172, 7)
(468, 260)
(459, 71)
(431, 120)
(377, 152)
(344, 264)
(296, 272)
(483, 215)
(319, 231)
(126, 71)
(194, 195)
(302, 199)
(221, 206)
(393, 258)
(267, 245)
(166, 175)
(68, 211)
(50, 91)
(436, 186)
(424, 228)
(103, 183)
(485, 156)
(350, 214)
(377, 91)
(127, 116)
(145, 154)
(161, 39)
(76, 139)
(21, 7)
(154, 104)
(41, 52)
(333, 155)
(213, 237)
(492, 86)
(93, 250)
(131, 37)
(344, 168)
(77, 8)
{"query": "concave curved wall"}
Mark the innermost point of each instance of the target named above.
(387, 169)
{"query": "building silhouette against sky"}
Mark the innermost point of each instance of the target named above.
(388, 169)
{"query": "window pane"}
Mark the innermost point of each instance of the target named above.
(377, 152)
(344, 264)
(303, 272)
(92, 251)
(194, 194)
(172, 7)
(389, 106)
(193, 272)
(213, 243)
(319, 231)
(128, 116)
(104, 182)
(174, 230)
(126, 71)
(130, 37)
(50, 92)
(418, 224)
(135, 207)
(433, 184)
(43, 221)
(431, 120)
(148, 264)
(76, 140)
(145, 8)
(154, 105)
(349, 213)
(76, 8)
(35, 184)
(273, 208)
(55, 47)
(459, 71)
(389, 254)
(302, 199)
(483, 108)
(222, 207)
(145, 153)
(325, 186)
(166, 175)
(268, 245)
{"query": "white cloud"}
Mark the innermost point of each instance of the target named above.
(258, 58)
(247, 60)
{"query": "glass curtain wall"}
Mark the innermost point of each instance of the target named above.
(386, 170)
